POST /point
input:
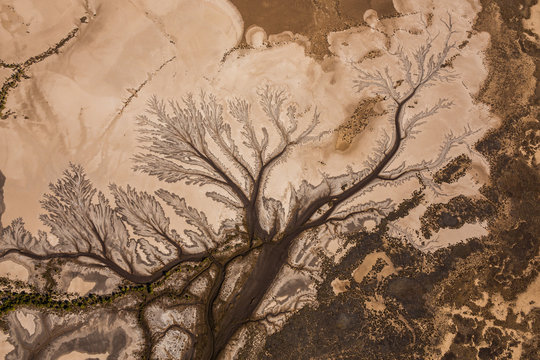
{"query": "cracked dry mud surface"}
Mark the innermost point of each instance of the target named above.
(307, 179)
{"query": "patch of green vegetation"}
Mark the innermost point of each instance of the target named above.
(10, 300)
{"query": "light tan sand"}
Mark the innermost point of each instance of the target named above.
(367, 264)
(340, 286)
(13, 270)
(27, 321)
(529, 299)
(76, 355)
(80, 286)
(499, 308)
(5, 346)
(533, 23)
(375, 303)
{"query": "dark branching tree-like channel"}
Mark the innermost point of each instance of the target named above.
(192, 142)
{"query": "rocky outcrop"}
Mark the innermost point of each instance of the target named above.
(2, 207)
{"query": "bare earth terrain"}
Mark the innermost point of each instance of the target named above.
(302, 179)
